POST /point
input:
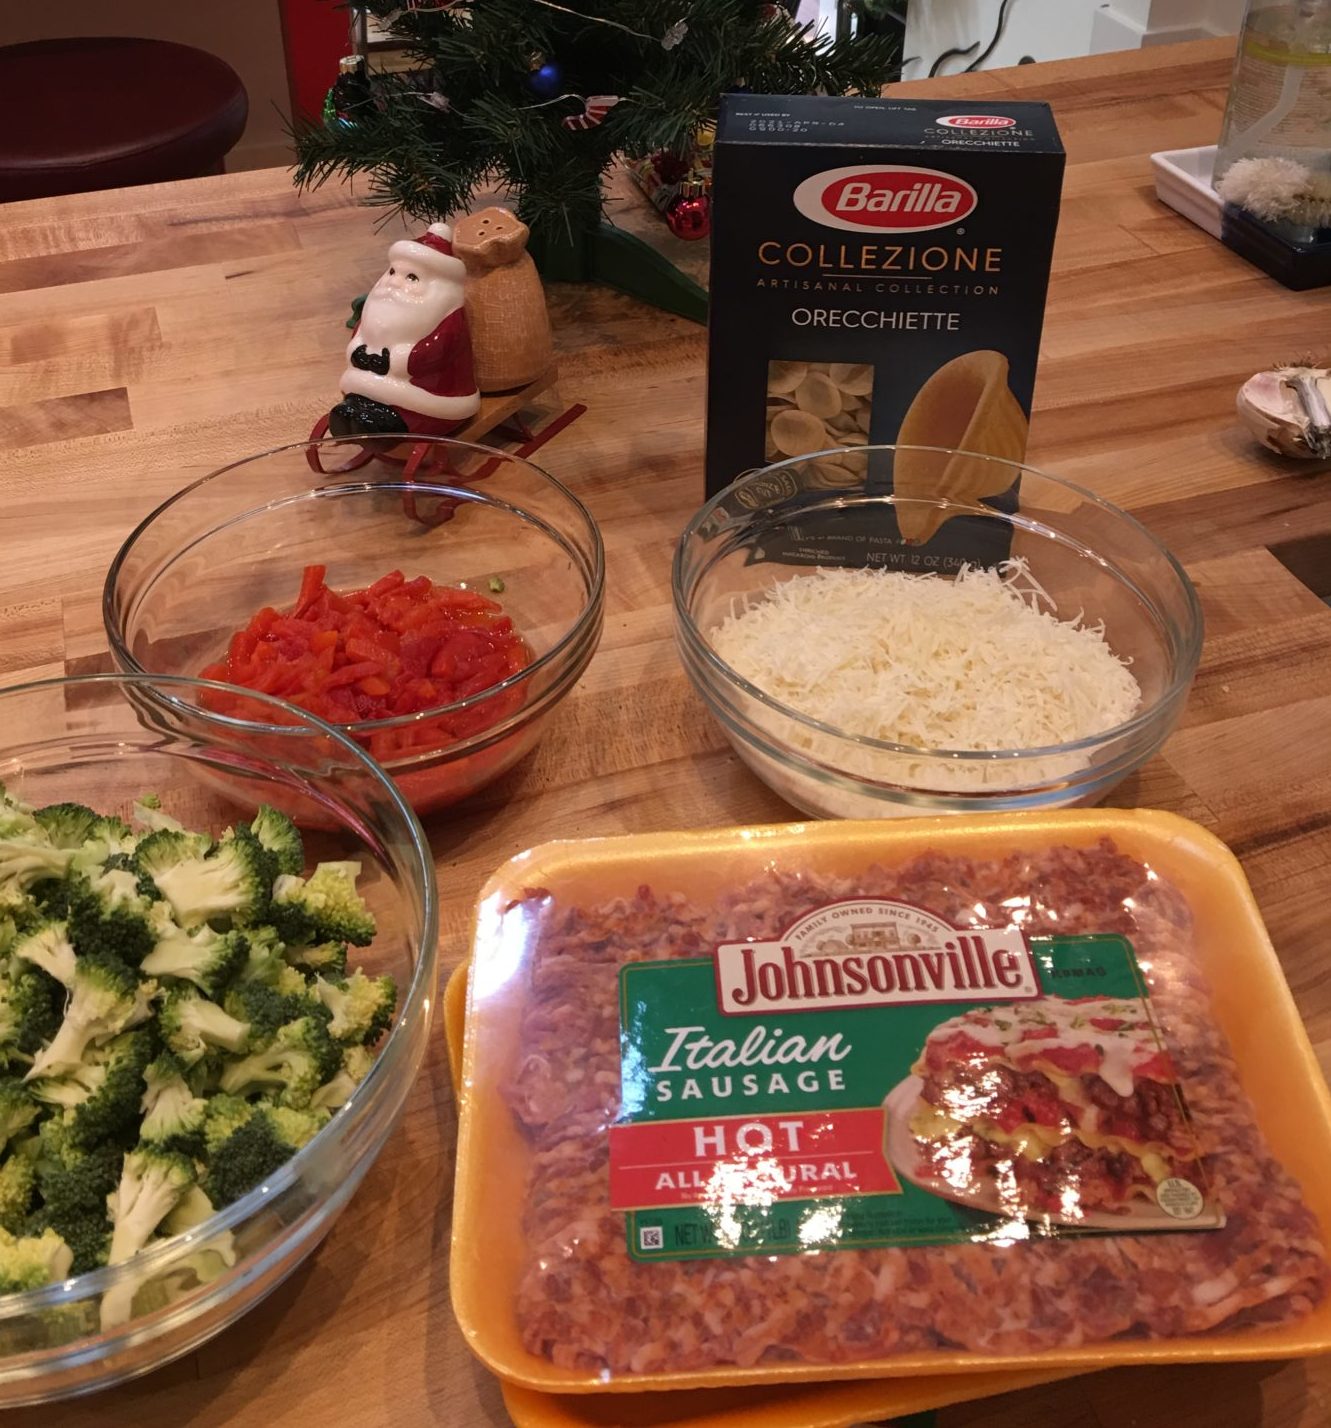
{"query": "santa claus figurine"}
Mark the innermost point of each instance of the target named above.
(409, 365)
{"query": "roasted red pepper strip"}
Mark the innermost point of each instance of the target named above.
(396, 647)
(311, 587)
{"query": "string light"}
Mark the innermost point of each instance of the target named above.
(595, 108)
(668, 41)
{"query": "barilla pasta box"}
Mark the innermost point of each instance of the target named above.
(879, 270)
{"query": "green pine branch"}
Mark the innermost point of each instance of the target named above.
(429, 163)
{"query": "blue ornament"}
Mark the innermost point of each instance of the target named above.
(546, 81)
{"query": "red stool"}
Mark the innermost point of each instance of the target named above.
(77, 115)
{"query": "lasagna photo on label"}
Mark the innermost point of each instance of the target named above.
(1065, 1110)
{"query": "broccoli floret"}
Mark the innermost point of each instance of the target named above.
(115, 832)
(258, 1147)
(19, 915)
(190, 1024)
(325, 907)
(362, 1006)
(193, 1208)
(232, 881)
(118, 887)
(101, 1097)
(173, 1116)
(265, 945)
(266, 950)
(356, 1063)
(50, 898)
(164, 849)
(15, 816)
(57, 1149)
(66, 825)
(328, 958)
(152, 1182)
(147, 812)
(106, 998)
(139, 1296)
(202, 1077)
(301, 1058)
(30, 1261)
(225, 1115)
(18, 1110)
(142, 1295)
(263, 859)
(109, 847)
(266, 1009)
(30, 1004)
(48, 947)
(280, 836)
(17, 1181)
(74, 1183)
(274, 972)
(27, 858)
(296, 1128)
(267, 963)
(88, 1237)
(109, 915)
(218, 1251)
(208, 959)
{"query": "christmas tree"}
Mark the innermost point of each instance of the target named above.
(537, 98)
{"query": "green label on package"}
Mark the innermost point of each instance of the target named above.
(876, 1076)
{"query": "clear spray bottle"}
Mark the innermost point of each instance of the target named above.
(1274, 157)
(1280, 95)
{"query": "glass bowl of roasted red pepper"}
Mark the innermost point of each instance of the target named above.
(436, 600)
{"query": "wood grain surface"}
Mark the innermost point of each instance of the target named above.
(150, 335)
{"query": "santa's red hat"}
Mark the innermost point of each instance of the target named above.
(431, 253)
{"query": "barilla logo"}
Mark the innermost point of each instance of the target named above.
(873, 953)
(887, 200)
(976, 121)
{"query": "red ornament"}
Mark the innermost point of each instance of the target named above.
(690, 215)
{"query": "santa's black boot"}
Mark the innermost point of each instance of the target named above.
(355, 415)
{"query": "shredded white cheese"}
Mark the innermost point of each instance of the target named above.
(979, 662)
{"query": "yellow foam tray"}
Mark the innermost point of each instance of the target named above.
(1251, 999)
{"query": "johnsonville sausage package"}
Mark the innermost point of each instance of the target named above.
(854, 1100)
(879, 270)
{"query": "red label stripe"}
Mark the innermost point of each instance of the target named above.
(749, 1160)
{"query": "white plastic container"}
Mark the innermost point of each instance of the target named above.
(1183, 181)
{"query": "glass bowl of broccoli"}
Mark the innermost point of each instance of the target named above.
(210, 1019)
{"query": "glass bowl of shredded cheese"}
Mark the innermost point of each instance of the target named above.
(1034, 648)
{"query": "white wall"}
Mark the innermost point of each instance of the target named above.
(1129, 24)
(1040, 29)
(247, 34)
(1055, 29)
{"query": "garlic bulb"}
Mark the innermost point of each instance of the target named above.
(1286, 409)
